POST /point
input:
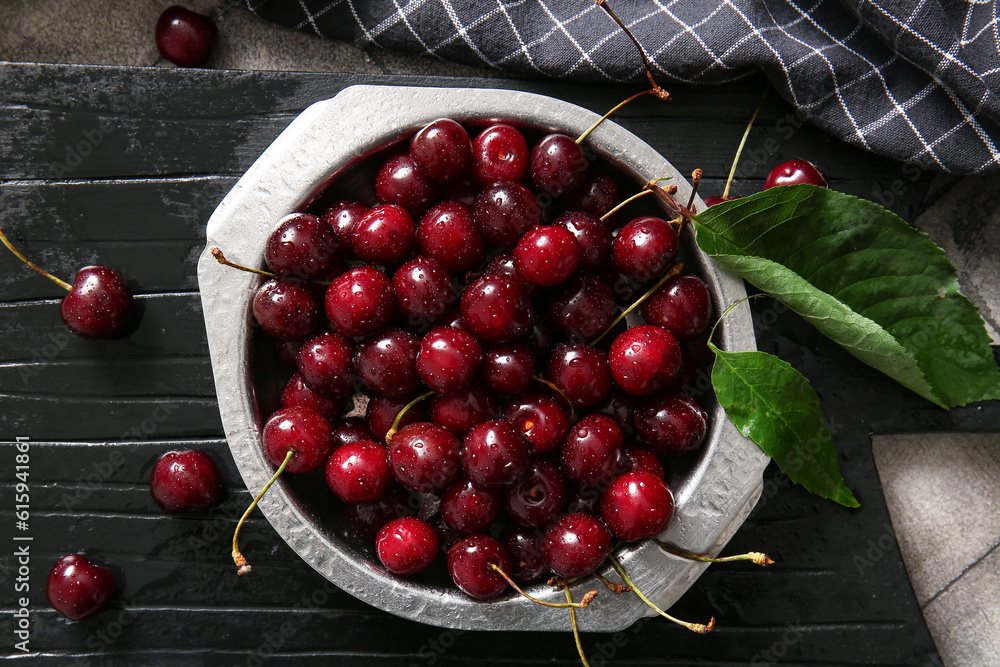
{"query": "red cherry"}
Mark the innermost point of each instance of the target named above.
(645, 359)
(399, 182)
(442, 151)
(424, 456)
(468, 564)
(98, 304)
(448, 359)
(469, 509)
(499, 153)
(494, 454)
(447, 234)
(184, 37)
(298, 393)
(383, 235)
(407, 545)
(682, 306)
(594, 451)
(645, 248)
(360, 301)
(671, 423)
(547, 255)
(576, 545)
(185, 479)
(302, 246)
(358, 472)
(795, 172)
(637, 505)
(78, 588)
(301, 430)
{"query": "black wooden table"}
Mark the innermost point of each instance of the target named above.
(124, 166)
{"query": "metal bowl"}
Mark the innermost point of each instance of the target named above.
(714, 493)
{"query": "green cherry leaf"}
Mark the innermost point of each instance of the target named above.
(775, 406)
(863, 277)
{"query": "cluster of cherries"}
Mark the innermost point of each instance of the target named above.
(480, 282)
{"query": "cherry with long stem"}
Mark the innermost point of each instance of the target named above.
(693, 627)
(241, 562)
(220, 257)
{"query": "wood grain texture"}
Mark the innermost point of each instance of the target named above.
(165, 146)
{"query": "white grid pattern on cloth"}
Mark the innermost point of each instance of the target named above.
(835, 60)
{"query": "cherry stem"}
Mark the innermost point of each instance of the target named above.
(562, 394)
(743, 141)
(711, 334)
(217, 254)
(241, 563)
(615, 588)
(673, 271)
(755, 557)
(657, 90)
(695, 180)
(693, 627)
(668, 196)
(641, 193)
(576, 628)
(406, 408)
(603, 118)
(62, 283)
(582, 604)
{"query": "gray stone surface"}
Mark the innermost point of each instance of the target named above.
(944, 499)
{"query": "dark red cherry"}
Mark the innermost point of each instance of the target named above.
(645, 359)
(527, 553)
(594, 451)
(298, 393)
(576, 545)
(386, 361)
(795, 172)
(499, 153)
(682, 306)
(447, 234)
(637, 505)
(538, 497)
(645, 248)
(671, 423)
(78, 588)
(184, 37)
(342, 217)
(643, 460)
(619, 406)
(460, 412)
(382, 411)
(442, 151)
(358, 472)
(383, 235)
(547, 255)
(448, 359)
(185, 479)
(597, 195)
(351, 429)
(540, 419)
(302, 246)
(557, 165)
(468, 563)
(98, 305)
(469, 509)
(494, 454)
(592, 235)
(504, 211)
(287, 351)
(407, 545)
(324, 363)
(399, 182)
(507, 369)
(424, 289)
(287, 310)
(581, 372)
(712, 201)
(299, 429)
(582, 308)
(424, 456)
(365, 520)
(360, 301)
(496, 309)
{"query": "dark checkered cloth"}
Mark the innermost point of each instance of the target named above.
(916, 81)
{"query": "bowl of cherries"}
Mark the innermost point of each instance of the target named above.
(477, 373)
